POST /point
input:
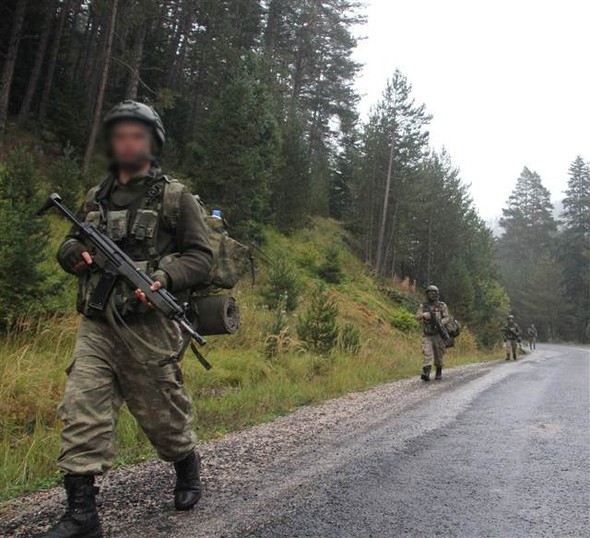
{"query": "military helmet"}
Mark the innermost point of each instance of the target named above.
(133, 110)
(433, 288)
(510, 317)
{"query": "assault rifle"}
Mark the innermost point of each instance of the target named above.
(508, 332)
(440, 328)
(114, 263)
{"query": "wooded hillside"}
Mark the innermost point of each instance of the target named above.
(259, 101)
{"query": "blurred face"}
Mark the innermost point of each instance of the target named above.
(431, 295)
(131, 145)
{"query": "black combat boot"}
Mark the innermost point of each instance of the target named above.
(426, 373)
(81, 517)
(188, 482)
(438, 375)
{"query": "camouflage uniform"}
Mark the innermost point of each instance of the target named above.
(433, 348)
(132, 354)
(532, 335)
(512, 337)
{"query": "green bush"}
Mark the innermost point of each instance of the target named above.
(331, 270)
(349, 340)
(318, 326)
(23, 242)
(403, 320)
(283, 287)
(278, 340)
(65, 177)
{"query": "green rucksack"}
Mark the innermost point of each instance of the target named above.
(212, 311)
(231, 259)
(453, 327)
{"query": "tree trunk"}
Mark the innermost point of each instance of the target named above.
(25, 108)
(273, 23)
(10, 62)
(178, 33)
(74, 49)
(380, 243)
(177, 67)
(53, 60)
(102, 88)
(133, 82)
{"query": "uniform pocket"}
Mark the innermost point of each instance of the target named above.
(145, 224)
(117, 224)
(93, 217)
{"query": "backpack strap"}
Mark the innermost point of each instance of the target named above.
(95, 199)
(173, 190)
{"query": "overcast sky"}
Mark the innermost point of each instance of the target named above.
(508, 83)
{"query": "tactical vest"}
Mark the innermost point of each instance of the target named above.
(136, 231)
(435, 309)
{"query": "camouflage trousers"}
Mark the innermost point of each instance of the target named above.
(109, 369)
(511, 347)
(433, 350)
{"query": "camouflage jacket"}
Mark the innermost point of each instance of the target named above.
(439, 309)
(175, 251)
(511, 331)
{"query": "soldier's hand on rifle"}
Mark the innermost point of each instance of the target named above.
(82, 264)
(141, 296)
(426, 315)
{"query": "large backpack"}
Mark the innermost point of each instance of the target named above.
(231, 259)
(453, 327)
(211, 311)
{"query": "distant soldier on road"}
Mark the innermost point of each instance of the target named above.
(532, 335)
(432, 313)
(129, 353)
(512, 337)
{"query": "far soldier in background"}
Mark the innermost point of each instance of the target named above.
(431, 314)
(512, 337)
(532, 334)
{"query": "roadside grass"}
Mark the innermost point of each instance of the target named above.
(244, 387)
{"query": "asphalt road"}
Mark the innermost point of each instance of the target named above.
(505, 455)
(494, 450)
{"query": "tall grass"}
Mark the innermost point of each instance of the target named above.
(243, 388)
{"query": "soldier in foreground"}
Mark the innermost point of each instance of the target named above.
(512, 337)
(130, 354)
(432, 314)
(532, 335)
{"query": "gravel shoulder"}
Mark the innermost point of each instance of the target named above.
(257, 475)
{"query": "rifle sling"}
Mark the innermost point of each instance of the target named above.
(126, 334)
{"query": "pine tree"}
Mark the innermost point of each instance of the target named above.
(23, 242)
(395, 135)
(529, 226)
(242, 147)
(575, 251)
(526, 254)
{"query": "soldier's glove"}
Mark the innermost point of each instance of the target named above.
(426, 315)
(70, 257)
